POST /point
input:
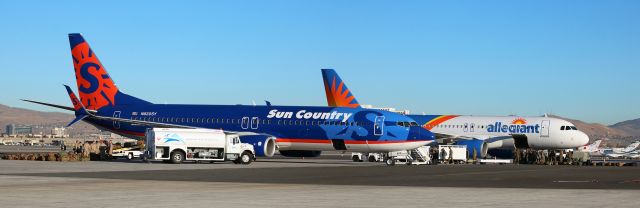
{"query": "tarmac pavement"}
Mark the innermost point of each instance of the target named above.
(313, 183)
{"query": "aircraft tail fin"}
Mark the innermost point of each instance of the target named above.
(338, 94)
(79, 109)
(632, 146)
(596, 145)
(95, 86)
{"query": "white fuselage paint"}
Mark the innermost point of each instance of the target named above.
(541, 132)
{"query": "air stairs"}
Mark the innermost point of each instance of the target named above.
(418, 156)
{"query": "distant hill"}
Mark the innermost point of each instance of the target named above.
(42, 121)
(631, 126)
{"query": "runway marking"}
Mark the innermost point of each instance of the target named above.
(591, 181)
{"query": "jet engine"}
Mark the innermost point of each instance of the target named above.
(264, 145)
(300, 153)
(479, 145)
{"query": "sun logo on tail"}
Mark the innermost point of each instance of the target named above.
(519, 121)
(340, 96)
(95, 87)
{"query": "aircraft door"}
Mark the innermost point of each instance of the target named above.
(544, 128)
(245, 123)
(254, 122)
(116, 124)
(378, 126)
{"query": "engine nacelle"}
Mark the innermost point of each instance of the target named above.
(479, 145)
(264, 145)
(300, 153)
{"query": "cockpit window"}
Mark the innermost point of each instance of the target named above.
(414, 124)
(562, 128)
(574, 128)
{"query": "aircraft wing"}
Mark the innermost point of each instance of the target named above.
(487, 138)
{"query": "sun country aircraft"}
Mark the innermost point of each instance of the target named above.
(297, 131)
(483, 133)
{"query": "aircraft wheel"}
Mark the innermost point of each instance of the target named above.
(355, 158)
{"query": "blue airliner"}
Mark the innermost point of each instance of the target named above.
(297, 131)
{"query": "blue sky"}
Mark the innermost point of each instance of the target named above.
(578, 59)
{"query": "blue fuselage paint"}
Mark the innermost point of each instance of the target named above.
(295, 122)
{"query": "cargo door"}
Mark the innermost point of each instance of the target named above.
(378, 125)
(544, 128)
(338, 144)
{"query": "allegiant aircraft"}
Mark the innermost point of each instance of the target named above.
(297, 131)
(496, 135)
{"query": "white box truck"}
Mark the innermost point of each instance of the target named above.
(176, 145)
(457, 153)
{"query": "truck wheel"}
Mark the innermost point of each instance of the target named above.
(355, 158)
(130, 156)
(372, 159)
(390, 162)
(245, 158)
(177, 157)
(409, 162)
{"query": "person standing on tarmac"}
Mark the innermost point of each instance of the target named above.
(516, 156)
(450, 155)
(443, 155)
(434, 156)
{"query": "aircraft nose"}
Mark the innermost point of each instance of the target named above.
(420, 134)
(581, 138)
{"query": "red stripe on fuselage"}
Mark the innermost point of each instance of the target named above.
(437, 121)
(326, 141)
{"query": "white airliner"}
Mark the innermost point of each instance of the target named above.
(629, 151)
(481, 133)
(504, 132)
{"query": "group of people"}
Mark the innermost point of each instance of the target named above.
(101, 149)
(542, 157)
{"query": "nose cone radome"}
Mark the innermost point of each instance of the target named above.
(580, 138)
(417, 133)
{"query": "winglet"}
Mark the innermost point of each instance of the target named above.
(80, 110)
(338, 94)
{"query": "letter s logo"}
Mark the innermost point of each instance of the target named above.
(93, 81)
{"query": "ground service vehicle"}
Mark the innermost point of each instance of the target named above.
(176, 145)
(128, 153)
(455, 153)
